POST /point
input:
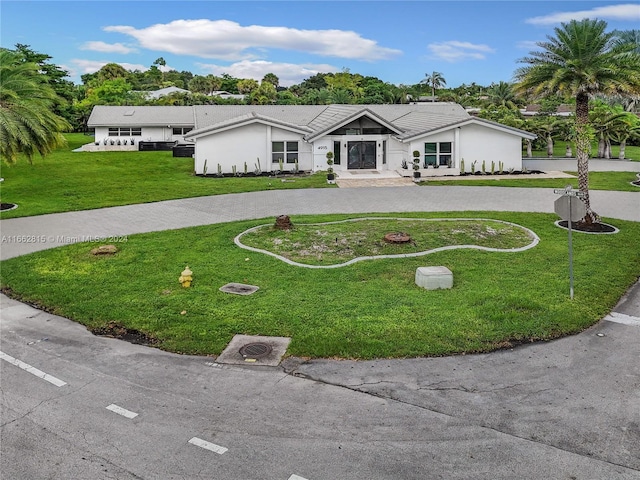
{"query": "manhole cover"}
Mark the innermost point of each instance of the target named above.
(397, 237)
(255, 350)
(239, 288)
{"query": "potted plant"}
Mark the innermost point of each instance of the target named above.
(331, 177)
(416, 165)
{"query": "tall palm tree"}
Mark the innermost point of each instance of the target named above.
(28, 124)
(435, 80)
(502, 94)
(581, 60)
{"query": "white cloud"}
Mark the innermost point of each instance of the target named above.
(628, 11)
(454, 51)
(227, 40)
(107, 47)
(288, 73)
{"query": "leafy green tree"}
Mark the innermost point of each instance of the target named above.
(581, 60)
(271, 78)
(57, 77)
(229, 83)
(200, 84)
(265, 94)
(109, 92)
(285, 97)
(28, 125)
(247, 85)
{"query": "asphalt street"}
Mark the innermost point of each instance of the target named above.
(78, 406)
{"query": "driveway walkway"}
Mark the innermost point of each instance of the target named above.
(48, 231)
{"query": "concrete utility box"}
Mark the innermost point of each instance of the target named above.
(433, 278)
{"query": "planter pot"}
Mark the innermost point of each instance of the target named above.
(417, 174)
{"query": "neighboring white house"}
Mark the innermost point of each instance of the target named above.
(361, 137)
(156, 94)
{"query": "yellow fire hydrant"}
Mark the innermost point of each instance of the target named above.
(186, 277)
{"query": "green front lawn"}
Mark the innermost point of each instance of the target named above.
(620, 181)
(67, 181)
(371, 309)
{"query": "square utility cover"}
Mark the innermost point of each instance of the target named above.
(254, 350)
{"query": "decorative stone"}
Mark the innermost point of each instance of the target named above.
(434, 278)
(283, 222)
(104, 250)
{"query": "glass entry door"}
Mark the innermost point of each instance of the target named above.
(362, 155)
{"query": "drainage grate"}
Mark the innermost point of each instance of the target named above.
(255, 350)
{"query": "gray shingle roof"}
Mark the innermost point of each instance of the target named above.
(135, 116)
(409, 120)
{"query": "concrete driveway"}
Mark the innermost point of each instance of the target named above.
(79, 406)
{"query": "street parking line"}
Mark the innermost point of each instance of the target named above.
(624, 319)
(209, 446)
(122, 411)
(32, 370)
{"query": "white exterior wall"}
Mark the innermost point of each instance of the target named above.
(478, 143)
(396, 153)
(320, 148)
(246, 144)
(305, 150)
(232, 147)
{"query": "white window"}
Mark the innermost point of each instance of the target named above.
(125, 132)
(437, 152)
(181, 130)
(285, 151)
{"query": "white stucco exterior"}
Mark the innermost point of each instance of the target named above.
(247, 144)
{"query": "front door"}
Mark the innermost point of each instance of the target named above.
(362, 155)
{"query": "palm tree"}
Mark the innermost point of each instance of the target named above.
(28, 124)
(435, 80)
(628, 36)
(581, 60)
(502, 94)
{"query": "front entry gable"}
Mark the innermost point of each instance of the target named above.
(362, 122)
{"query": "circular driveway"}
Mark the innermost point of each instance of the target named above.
(79, 406)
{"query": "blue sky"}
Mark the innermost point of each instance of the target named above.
(398, 42)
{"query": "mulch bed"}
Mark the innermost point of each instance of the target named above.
(589, 228)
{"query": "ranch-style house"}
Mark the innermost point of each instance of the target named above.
(361, 137)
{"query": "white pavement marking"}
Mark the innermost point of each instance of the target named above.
(209, 446)
(622, 318)
(34, 371)
(122, 411)
(296, 477)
